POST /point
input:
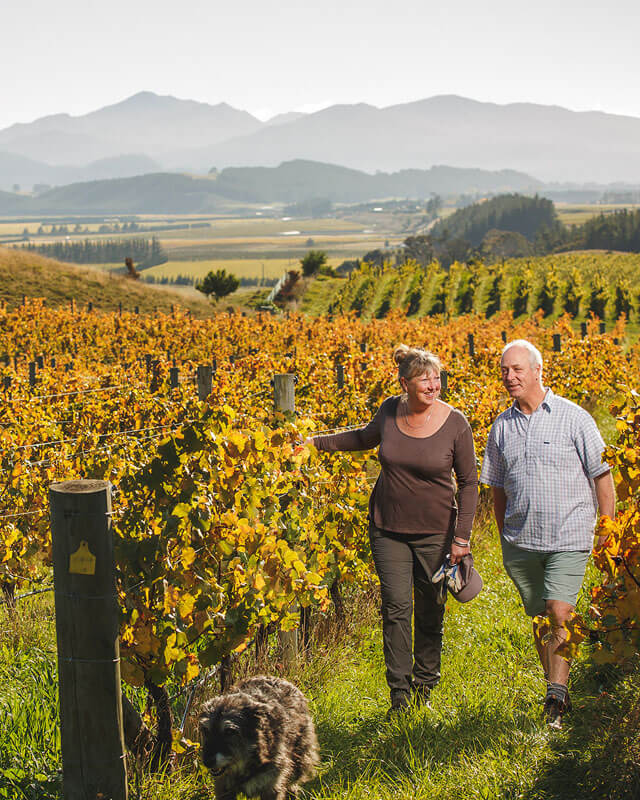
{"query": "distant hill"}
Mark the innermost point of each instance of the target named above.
(549, 142)
(291, 182)
(17, 169)
(34, 276)
(514, 213)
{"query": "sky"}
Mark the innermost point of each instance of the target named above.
(268, 56)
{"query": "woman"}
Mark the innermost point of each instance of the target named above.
(413, 518)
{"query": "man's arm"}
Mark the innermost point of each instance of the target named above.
(499, 506)
(605, 494)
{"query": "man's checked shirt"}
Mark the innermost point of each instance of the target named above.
(546, 463)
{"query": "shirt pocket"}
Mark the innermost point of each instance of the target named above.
(556, 454)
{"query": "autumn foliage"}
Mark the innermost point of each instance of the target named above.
(223, 520)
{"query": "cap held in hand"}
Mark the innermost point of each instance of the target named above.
(462, 579)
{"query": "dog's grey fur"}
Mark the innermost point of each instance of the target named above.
(259, 739)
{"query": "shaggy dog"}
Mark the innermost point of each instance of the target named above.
(258, 739)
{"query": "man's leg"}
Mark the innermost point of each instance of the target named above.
(526, 569)
(564, 573)
(557, 667)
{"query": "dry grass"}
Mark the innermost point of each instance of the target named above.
(35, 276)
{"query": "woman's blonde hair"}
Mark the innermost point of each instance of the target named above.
(412, 361)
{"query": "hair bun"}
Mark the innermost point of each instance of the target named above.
(400, 353)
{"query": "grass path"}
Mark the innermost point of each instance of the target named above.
(481, 738)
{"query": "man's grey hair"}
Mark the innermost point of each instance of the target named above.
(535, 356)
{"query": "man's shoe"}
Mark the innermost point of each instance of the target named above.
(400, 701)
(556, 704)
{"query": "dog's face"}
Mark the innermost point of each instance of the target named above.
(228, 733)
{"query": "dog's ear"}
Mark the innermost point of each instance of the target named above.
(264, 733)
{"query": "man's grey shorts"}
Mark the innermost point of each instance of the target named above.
(541, 576)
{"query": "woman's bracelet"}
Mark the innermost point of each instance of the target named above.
(459, 543)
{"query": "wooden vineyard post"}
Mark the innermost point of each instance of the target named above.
(204, 377)
(557, 343)
(340, 376)
(471, 344)
(444, 383)
(284, 400)
(93, 754)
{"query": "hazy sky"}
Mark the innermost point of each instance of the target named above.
(267, 57)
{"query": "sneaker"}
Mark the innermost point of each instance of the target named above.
(421, 694)
(556, 704)
(400, 701)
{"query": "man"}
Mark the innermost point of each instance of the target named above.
(544, 464)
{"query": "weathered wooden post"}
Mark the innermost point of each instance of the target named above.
(340, 376)
(471, 343)
(174, 377)
(557, 343)
(603, 327)
(32, 374)
(284, 400)
(583, 329)
(504, 336)
(444, 383)
(204, 378)
(93, 754)
(40, 362)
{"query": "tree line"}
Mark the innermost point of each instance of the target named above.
(144, 252)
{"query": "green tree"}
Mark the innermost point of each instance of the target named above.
(313, 262)
(219, 284)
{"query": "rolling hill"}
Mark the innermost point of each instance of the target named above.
(290, 182)
(34, 276)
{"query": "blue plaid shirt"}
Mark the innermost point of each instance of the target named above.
(546, 463)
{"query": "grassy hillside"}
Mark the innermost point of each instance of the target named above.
(35, 276)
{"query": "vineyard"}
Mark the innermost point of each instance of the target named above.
(581, 284)
(227, 528)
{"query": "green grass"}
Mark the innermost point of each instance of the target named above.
(482, 737)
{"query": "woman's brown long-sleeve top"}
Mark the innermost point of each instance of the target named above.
(415, 491)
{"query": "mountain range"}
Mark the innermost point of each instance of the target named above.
(148, 132)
